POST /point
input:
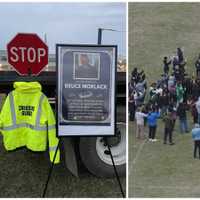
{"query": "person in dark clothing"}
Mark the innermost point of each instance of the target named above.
(134, 72)
(196, 89)
(194, 114)
(177, 74)
(197, 65)
(166, 64)
(132, 107)
(131, 101)
(145, 108)
(173, 110)
(168, 127)
(133, 76)
(196, 146)
(188, 84)
(181, 112)
(192, 104)
(180, 55)
(136, 76)
(164, 102)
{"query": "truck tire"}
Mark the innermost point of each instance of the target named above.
(96, 158)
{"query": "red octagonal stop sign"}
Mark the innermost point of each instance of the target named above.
(27, 53)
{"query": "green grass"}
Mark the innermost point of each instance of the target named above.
(158, 170)
(156, 30)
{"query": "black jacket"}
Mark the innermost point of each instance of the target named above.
(197, 64)
(181, 111)
(169, 123)
(166, 64)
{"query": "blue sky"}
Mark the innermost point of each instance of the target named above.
(64, 22)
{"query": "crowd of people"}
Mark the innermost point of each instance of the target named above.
(169, 98)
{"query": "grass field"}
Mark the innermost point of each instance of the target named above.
(158, 170)
(156, 30)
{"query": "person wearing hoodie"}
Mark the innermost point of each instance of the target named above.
(198, 109)
(164, 102)
(196, 139)
(169, 125)
(152, 123)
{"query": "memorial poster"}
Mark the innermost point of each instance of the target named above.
(86, 89)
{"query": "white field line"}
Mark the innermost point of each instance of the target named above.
(164, 187)
(136, 157)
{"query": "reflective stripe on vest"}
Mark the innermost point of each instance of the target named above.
(37, 127)
(24, 125)
(52, 148)
(12, 108)
(39, 110)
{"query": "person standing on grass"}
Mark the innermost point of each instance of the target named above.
(169, 125)
(196, 88)
(181, 58)
(196, 139)
(173, 109)
(166, 64)
(181, 113)
(192, 104)
(131, 104)
(131, 100)
(172, 88)
(198, 109)
(152, 122)
(139, 116)
(164, 102)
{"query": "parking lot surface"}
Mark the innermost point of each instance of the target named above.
(24, 173)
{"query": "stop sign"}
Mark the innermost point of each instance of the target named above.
(27, 53)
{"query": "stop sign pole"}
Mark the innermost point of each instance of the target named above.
(27, 53)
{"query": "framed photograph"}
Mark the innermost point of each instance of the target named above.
(86, 66)
(86, 90)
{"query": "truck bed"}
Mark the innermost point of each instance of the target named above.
(48, 81)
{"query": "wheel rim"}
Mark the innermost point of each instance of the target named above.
(118, 149)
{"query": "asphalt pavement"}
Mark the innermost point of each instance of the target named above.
(23, 173)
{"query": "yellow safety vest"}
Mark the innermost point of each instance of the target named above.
(27, 119)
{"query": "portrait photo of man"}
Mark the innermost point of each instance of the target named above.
(86, 66)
